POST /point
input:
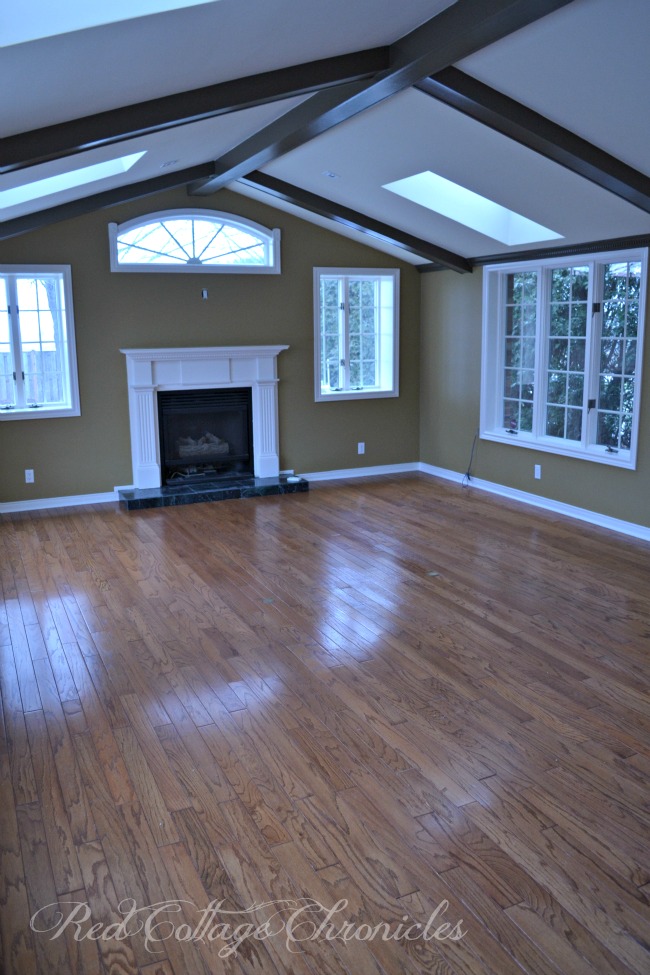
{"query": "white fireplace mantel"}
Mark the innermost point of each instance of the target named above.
(150, 370)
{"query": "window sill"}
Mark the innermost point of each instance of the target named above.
(350, 394)
(547, 445)
(39, 413)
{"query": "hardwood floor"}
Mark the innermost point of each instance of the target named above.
(279, 734)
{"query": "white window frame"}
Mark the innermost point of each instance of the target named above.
(70, 405)
(493, 358)
(387, 337)
(269, 238)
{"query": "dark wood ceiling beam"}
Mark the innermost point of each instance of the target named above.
(455, 33)
(156, 115)
(527, 127)
(356, 221)
(100, 201)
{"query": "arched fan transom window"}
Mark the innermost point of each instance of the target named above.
(194, 240)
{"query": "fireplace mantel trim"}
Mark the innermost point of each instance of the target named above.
(205, 352)
(149, 370)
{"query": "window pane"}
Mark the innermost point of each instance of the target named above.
(7, 384)
(511, 383)
(618, 349)
(331, 333)
(527, 384)
(511, 414)
(576, 390)
(42, 336)
(608, 429)
(526, 417)
(368, 373)
(579, 319)
(574, 425)
(579, 283)
(577, 355)
(513, 321)
(555, 421)
(610, 393)
(626, 431)
(557, 387)
(561, 284)
(559, 319)
(521, 326)
(193, 239)
(611, 356)
(369, 320)
(558, 354)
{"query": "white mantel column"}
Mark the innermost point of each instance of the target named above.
(265, 429)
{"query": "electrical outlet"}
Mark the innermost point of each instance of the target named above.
(29, 477)
(361, 448)
(538, 472)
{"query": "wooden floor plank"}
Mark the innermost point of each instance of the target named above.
(16, 938)
(56, 821)
(393, 693)
(51, 952)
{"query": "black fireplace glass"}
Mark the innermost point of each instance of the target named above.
(205, 434)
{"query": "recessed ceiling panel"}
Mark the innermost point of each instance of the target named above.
(585, 67)
(82, 73)
(164, 152)
(412, 133)
(31, 20)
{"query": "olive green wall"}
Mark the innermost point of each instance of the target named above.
(91, 453)
(450, 381)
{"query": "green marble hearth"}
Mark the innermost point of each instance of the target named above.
(196, 492)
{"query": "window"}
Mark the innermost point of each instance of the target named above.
(38, 370)
(203, 241)
(356, 333)
(562, 353)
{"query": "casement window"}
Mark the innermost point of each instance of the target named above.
(356, 332)
(562, 354)
(38, 367)
(194, 241)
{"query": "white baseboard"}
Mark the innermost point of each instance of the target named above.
(538, 501)
(360, 472)
(38, 504)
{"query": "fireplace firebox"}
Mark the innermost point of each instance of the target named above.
(205, 434)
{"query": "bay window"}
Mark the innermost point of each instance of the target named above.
(562, 354)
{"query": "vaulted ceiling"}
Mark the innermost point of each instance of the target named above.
(538, 105)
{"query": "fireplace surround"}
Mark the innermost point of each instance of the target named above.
(150, 371)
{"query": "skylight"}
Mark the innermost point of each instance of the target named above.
(30, 20)
(469, 208)
(66, 181)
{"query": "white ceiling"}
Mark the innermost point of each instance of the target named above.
(94, 70)
(584, 66)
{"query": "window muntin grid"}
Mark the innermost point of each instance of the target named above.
(194, 241)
